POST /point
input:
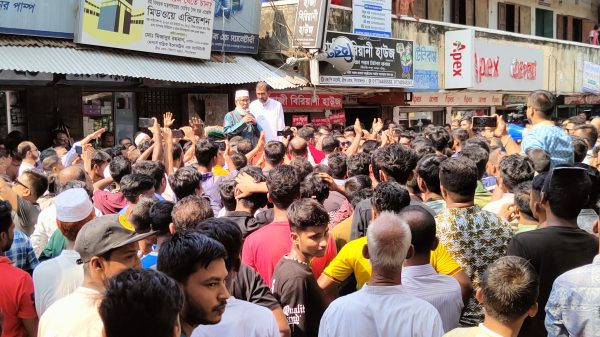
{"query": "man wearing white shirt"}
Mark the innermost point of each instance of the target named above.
(418, 276)
(268, 112)
(383, 306)
(29, 154)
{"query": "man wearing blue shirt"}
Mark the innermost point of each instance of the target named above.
(240, 122)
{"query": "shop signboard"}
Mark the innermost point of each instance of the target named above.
(237, 24)
(582, 99)
(299, 120)
(319, 121)
(308, 100)
(25, 77)
(310, 23)
(172, 27)
(377, 62)
(591, 78)
(372, 17)
(38, 17)
(455, 99)
(336, 118)
(426, 67)
(503, 67)
(459, 51)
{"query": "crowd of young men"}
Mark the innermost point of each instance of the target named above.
(243, 230)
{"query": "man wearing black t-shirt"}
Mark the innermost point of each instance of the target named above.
(294, 284)
(561, 245)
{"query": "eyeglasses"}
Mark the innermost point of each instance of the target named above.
(345, 143)
(20, 183)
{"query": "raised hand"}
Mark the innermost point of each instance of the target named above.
(168, 119)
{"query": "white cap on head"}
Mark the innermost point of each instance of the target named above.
(140, 138)
(73, 205)
(241, 93)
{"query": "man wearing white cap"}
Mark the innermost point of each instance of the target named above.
(240, 122)
(268, 112)
(58, 277)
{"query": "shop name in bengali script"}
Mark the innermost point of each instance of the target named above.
(17, 6)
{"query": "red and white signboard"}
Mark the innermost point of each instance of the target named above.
(474, 63)
(339, 117)
(299, 120)
(458, 52)
(455, 99)
(582, 99)
(308, 100)
(319, 121)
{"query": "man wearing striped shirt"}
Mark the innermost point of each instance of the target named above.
(419, 277)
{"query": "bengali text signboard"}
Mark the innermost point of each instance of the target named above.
(591, 78)
(173, 27)
(372, 17)
(378, 62)
(304, 100)
(38, 17)
(310, 22)
(455, 99)
(299, 120)
(426, 67)
(319, 121)
(237, 24)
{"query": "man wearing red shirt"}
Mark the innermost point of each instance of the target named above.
(265, 247)
(16, 292)
(308, 134)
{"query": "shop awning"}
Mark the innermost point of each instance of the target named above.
(65, 57)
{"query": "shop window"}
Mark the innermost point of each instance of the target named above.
(12, 112)
(157, 102)
(544, 23)
(562, 22)
(514, 18)
(577, 32)
(97, 111)
(458, 12)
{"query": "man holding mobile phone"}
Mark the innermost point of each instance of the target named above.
(268, 112)
(240, 122)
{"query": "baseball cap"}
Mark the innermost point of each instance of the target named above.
(73, 205)
(105, 233)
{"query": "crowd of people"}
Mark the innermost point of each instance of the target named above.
(257, 229)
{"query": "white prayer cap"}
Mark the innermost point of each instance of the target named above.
(140, 138)
(241, 93)
(73, 205)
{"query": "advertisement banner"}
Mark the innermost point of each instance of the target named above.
(503, 67)
(237, 23)
(459, 50)
(455, 99)
(173, 27)
(304, 100)
(591, 78)
(319, 121)
(426, 68)
(372, 17)
(299, 120)
(377, 62)
(339, 117)
(38, 17)
(310, 23)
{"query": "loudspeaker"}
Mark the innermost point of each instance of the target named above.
(339, 54)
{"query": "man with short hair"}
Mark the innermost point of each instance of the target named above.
(111, 202)
(308, 134)
(268, 112)
(474, 238)
(514, 169)
(561, 245)
(206, 155)
(419, 278)
(140, 302)
(480, 156)
(508, 292)
(29, 155)
(23, 195)
(134, 186)
(590, 135)
(240, 121)
(58, 277)
(188, 212)
(100, 160)
(459, 138)
(383, 307)
(242, 315)
(106, 246)
(156, 170)
(274, 155)
(197, 263)
(246, 207)
(16, 293)
(298, 148)
(60, 139)
(185, 182)
(428, 180)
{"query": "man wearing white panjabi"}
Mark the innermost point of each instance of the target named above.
(268, 112)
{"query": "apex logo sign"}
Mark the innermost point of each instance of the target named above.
(457, 57)
(486, 67)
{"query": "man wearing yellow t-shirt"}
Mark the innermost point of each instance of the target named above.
(390, 197)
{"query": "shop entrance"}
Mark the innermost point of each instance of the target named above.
(364, 113)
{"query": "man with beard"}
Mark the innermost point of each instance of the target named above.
(240, 122)
(197, 263)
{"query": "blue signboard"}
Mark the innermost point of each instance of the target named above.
(38, 17)
(426, 68)
(236, 24)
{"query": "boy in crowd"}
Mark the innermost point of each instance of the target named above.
(293, 282)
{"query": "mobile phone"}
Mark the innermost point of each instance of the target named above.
(221, 146)
(177, 133)
(78, 149)
(145, 122)
(284, 133)
(484, 121)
